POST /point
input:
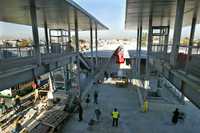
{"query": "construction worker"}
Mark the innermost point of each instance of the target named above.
(97, 112)
(145, 106)
(80, 112)
(96, 97)
(87, 100)
(115, 117)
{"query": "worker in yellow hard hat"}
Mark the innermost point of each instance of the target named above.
(115, 117)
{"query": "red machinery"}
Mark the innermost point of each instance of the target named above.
(119, 53)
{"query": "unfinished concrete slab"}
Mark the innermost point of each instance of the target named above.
(132, 120)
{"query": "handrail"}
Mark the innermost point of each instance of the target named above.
(7, 52)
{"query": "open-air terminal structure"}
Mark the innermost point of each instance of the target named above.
(44, 84)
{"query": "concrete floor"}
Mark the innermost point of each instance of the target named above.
(157, 120)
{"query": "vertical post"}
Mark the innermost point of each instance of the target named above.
(161, 37)
(149, 47)
(77, 50)
(96, 42)
(65, 74)
(177, 31)
(192, 32)
(46, 35)
(166, 40)
(137, 49)
(91, 45)
(69, 27)
(35, 30)
(140, 44)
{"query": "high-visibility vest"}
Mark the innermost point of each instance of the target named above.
(115, 114)
(146, 106)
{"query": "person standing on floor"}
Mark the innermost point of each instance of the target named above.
(87, 100)
(115, 117)
(80, 112)
(96, 97)
(97, 113)
(175, 116)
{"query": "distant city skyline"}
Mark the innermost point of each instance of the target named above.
(112, 16)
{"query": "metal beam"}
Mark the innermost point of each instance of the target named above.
(177, 31)
(77, 51)
(46, 36)
(166, 41)
(69, 27)
(35, 30)
(150, 41)
(192, 32)
(140, 44)
(137, 48)
(91, 45)
(96, 42)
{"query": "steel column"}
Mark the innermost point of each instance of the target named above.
(91, 45)
(192, 32)
(69, 27)
(149, 47)
(35, 30)
(140, 44)
(166, 41)
(96, 42)
(77, 51)
(177, 31)
(137, 48)
(46, 35)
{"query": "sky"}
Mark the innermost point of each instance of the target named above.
(109, 12)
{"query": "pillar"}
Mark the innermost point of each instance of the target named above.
(77, 51)
(91, 45)
(166, 41)
(192, 32)
(69, 27)
(46, 36)
(177, 31)
(150, 41)
(140, 44)
(137, 48)
(96, 42)
(36, 44)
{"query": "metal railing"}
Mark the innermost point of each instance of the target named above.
(7, 52)
(163, 52)
(195, 50)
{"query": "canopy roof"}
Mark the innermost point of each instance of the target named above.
(53, 11)
(163, 12)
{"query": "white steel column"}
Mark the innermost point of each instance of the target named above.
(46, 35)
(192, 32)
(177, 31)
(91, 45)
(140, 44)
(77, 51)
(35, 31)
(149, 47)
(166, 41)
(137, 48)
(69, 27)
(96, 42)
